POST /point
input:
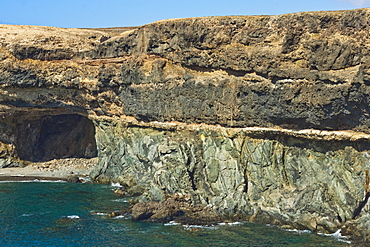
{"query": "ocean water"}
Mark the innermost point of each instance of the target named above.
(63, 214)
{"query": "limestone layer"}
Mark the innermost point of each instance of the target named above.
(264, 118)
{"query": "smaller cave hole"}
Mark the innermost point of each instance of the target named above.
(56, 137)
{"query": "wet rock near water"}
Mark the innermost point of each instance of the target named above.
(176, 208)
(74, 179)
(358, 230)
(119, 192)
(115, 214)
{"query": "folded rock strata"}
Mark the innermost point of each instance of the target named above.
(260, 117)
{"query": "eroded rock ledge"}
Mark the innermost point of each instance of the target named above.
(261, 117)
(311, 134)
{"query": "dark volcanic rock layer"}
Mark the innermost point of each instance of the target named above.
(261, 117)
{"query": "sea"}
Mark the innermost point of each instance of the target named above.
(64, 214)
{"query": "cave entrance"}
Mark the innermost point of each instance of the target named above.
(56, 137)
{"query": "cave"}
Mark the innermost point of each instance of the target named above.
(56, 137)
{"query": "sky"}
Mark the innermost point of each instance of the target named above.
(124, 13)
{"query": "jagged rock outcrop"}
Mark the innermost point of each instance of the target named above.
(262, 117)
(176, 208)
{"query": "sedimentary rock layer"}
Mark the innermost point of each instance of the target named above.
(261, 117)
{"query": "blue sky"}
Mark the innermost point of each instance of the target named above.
(118, 13)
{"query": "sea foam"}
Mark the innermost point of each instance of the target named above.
(172, 223)
(337, 235)
(230, 223)
(73, 217)
(116, 185)
(98, 213)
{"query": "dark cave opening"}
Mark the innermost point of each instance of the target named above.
(56, 137)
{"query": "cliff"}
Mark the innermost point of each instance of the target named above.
(264, 118)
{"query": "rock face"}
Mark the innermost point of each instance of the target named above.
(260, 117)
(176, 208)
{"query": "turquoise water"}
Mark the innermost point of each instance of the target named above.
(62, 214)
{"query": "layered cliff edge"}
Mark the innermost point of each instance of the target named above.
(264, 118)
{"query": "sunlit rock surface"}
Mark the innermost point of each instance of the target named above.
(264, 118)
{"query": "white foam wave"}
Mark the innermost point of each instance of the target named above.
(49, 181)
(299, 231)
(191, 227)
(73, 217)
(230, 223)
(120, 217)
(98, 213)
(36, 180)
(26, 215)
(85, 179)
(116, 185)
(337, 235)
(172, 223)
(121, 200)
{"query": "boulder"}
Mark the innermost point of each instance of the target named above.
(74, 179)
(175, 208)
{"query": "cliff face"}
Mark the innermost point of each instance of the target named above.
(261, 117)
(261, 176)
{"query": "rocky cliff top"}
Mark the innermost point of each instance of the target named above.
(296, 71)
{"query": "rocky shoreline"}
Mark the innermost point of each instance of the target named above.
(177, 208)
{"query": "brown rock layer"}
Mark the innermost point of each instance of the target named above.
(304, 70)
